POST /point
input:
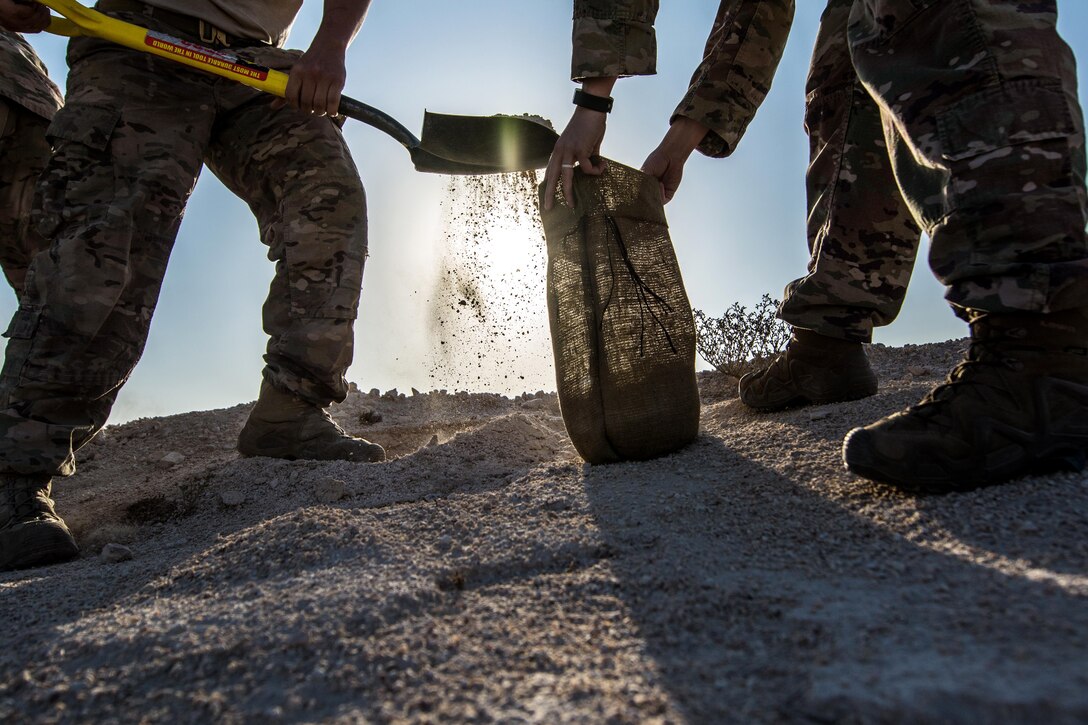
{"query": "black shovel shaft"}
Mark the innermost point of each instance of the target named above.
(378, 119)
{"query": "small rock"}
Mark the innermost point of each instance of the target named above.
(114, 553)
(416, 392)
(172, 458)
(369, 416)
(535, 404)
(917, 371)
(818, 415)
(330, 490)
(444, 542)
(391, 394)
(375, 393)
(433, 441)
(232, 497)
(353, 388)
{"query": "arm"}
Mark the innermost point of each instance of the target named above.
(612, 39)
(739, 62)
(318, 78)
(23, 16)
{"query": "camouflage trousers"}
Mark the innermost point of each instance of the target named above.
(128, 147)
(24, 152)
(958, 118)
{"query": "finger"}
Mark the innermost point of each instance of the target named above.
(672, 185)
(591, 165)
(310, 96)
(551, 178)
(568, 183)
(321, 98)
(290, 94)
(333, 103)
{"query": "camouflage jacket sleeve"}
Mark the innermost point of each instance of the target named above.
(614, 38)
(24, 79)
(741, 56)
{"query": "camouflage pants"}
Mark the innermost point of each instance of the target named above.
(128, 147)
(23, 155)
(959, 117)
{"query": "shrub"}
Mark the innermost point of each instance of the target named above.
(740, 340)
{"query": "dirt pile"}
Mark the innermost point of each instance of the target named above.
(486, 574)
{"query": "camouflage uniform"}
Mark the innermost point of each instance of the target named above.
(129, 145)
(980, 143)
(28, 100)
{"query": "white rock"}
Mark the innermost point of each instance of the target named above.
(114, 553)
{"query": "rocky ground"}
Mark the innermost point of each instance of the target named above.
(484, 573)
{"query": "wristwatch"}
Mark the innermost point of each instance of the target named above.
(592, 102)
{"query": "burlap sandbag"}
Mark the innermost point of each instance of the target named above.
(622, 329)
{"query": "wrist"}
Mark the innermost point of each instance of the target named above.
(684, 135)
(599, 86)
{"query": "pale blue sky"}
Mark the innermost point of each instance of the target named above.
(737, 223)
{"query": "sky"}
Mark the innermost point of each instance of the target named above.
(738, 224)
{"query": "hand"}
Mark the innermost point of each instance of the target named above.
(316, 81)
(579, 143)
(23, 16)
(666, 162)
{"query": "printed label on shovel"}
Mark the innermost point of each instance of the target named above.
(204, 56)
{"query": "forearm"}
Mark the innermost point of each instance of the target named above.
(739, 62)
(340, 23)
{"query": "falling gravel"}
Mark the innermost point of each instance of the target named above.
(488, 312)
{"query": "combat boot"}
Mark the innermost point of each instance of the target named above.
(282, 425)
(31, 533)
(813, 370)
(1016, 405)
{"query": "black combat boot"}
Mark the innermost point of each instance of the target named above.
(1018, 404)
(282, 425)
(813, 370)
(31, 533)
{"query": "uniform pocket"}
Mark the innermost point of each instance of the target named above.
(80, 174)
(7, 119)
(1016, 113)
(24, 322)
(891, 16)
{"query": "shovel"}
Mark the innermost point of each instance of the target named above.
(449, 144)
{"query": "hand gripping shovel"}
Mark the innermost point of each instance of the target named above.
(450, 144)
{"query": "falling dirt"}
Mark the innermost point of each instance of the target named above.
(488, 311)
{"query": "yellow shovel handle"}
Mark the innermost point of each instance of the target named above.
(81, 20)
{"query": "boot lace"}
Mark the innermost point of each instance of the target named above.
(975, 375)
(28, 500)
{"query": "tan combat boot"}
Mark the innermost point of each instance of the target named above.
(1017, 405)
(282, 425)
(814, 370)
(31, 533)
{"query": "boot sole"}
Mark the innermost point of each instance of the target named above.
(860, 458)
(53, 554)
(800, 401)
(285, 453)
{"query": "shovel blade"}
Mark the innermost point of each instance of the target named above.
(453, 144)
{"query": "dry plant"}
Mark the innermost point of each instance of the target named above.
(739, 340)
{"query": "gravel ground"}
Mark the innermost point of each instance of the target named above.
(484, 573)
